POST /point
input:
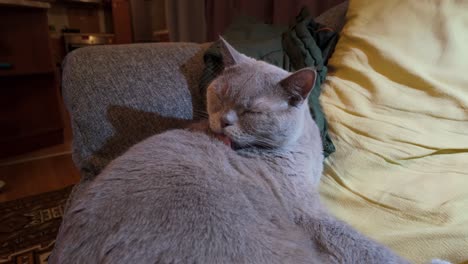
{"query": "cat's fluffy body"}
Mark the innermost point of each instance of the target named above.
(185, 197)
(152, 206)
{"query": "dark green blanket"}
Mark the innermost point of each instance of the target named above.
(305, 44)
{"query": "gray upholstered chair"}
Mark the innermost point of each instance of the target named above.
(118, 95)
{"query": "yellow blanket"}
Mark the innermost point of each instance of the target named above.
(397, 103)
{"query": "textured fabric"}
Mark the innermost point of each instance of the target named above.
(306, 44)
(119, 95)
(309, 44)
(397, 106)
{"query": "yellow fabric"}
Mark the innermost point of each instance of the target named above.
(396, 99)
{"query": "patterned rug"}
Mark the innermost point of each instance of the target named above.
(28, 227)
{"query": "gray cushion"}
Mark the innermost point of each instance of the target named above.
(119, 95)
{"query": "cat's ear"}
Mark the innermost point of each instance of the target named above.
(298, 85)
(230, 56)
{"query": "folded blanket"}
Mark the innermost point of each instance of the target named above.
(397, 105)
(305, 44)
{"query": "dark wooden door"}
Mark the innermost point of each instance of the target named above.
(122, 21)
(30, 116)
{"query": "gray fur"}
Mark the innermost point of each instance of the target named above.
(163, 201)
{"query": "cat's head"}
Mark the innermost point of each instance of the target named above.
(257, 104)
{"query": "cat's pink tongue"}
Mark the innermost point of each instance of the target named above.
(225, 139)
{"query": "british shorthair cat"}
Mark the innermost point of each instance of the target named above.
(245, 192)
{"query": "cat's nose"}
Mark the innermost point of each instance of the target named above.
(228, 119)
(225, 122)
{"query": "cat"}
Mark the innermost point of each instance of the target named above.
(240, 188)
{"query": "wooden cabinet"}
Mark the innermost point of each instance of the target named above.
(24, 41)
(122, 21)
(30, 115)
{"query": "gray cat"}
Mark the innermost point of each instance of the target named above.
(253, 200)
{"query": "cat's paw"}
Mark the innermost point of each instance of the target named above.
(439, 261)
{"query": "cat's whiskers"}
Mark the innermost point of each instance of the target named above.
(200, 114)
(200, 111)
(263, 142)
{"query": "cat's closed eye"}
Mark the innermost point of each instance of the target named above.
(251, 112)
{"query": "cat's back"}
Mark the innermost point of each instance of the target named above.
(178, 198)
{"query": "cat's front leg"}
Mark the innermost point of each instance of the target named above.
(340, 243)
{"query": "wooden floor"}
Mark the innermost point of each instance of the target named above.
(37, 176)
(39, 171)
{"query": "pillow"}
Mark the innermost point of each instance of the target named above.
(305, 44)
(397, 105)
